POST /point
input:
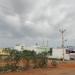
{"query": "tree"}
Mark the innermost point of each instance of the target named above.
(42, 59)
(27, 56)
(13, 58)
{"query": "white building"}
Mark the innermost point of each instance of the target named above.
(19, 47)
(59, 54)
(37, 49)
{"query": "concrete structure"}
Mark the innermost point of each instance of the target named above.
(19, 47)
(37, 49)
(58, 54)
(72, 56)
(3, 52)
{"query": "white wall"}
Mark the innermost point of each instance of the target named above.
(37, 49)
(18, 48)
(72, 56)
(58, 53)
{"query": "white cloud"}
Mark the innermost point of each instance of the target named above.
(36, 19)
(13, 20)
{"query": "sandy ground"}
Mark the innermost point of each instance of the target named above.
(48, 71)
(63, 69)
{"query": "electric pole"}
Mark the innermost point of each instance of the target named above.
(62, 31)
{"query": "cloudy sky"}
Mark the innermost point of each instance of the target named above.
(31, 21)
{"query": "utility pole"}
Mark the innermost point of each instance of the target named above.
(62, 31)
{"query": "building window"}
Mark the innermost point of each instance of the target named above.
(50, 52)
(67, 51)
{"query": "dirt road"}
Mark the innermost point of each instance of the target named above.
(64, 69)
(47, 71)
